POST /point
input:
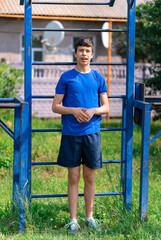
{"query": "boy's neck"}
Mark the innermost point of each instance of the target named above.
(83, 69)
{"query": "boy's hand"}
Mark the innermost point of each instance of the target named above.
(81, 115)
(90, 112)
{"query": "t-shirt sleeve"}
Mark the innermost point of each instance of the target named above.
(102, 87)
(61, 86)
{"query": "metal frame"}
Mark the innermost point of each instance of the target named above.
(22, 171)
(127, 126)
(20, 160)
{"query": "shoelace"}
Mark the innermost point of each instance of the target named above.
(70, 223)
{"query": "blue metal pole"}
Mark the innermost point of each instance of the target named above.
(130, 98)
(123, 145)
(145, 145)
(23, 165)
(16, 158)
(28, 78)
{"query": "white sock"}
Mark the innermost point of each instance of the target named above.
(87, 219)
(73, 220)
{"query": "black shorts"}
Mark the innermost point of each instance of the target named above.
(77, 150)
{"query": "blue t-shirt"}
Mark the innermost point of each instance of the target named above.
(81, 90)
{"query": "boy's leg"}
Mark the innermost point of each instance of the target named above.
(73, 180)
(89, 189)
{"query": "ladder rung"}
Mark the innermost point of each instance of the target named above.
(60, 130)
(78, 30)
(55, 163)
(74, 63)
(80, 195)
(73, 3)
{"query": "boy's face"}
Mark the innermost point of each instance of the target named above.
(83, 55)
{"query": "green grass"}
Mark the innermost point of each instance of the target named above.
(48, 216)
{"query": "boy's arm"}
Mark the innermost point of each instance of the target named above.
(79, 113)
(104, 108)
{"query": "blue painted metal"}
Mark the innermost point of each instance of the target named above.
(123, 142)
(77, 30)
(16, 157)
(55, 163)
(28, 79)
(7, 129)
(155, 137)
(59, 130)
(80, 195)
(9, 105)
(74, 3)
(111, 3)
(21, 2)
(129, 115)
(23, 165)
(131, 4)
(52, 96)
(74, 63)
(145, 142)
(6, 99)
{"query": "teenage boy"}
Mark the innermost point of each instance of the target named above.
(81, 99)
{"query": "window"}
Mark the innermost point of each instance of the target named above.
(37, 48)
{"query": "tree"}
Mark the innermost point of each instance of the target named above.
(147, 41)
(10, 79)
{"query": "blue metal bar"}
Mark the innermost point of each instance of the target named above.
(135, 126)
(74, 63)
(152, 99)
(80, 195)
(55, 163)
(49, 96)
(9, 105)
(6, 99)
(123, 142)
(28, 80)
(23, 180)
(130, 98)
(155, 137)
(74, 3)
(145, 143)
(111, 3)
(59, 130)
(140, 104)
(77, 30)
(131, 3)
(7, 129)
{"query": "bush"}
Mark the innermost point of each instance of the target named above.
(10, 79)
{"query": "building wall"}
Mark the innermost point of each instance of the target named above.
(12, 29)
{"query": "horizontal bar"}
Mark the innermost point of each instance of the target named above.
(140, 104)
(7, 129)
(80, 195)
(55, 163)
(9, 105)
(77, 30)
(6, 99)
(157, 135)
(73, 3)
(74, 63)
(52, 96)
(153, 99)
(60, 130)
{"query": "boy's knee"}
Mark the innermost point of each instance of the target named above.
(73, 177)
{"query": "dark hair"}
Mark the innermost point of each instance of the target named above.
(86, 42)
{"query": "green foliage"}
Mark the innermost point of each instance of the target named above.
(10, 78)
(48, 216)
(147, 41)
